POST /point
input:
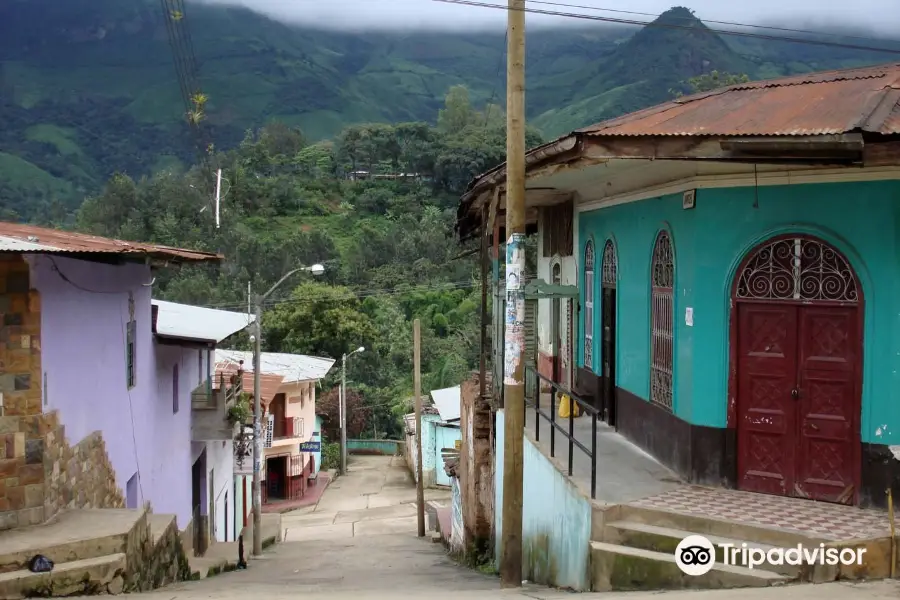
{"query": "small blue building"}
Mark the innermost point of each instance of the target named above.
(736, 261)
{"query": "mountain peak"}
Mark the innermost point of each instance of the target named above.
(678, 15)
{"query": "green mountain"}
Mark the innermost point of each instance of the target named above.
(88, 87)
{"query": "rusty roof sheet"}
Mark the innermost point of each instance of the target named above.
(833, 102)
(29, 238)
(269, 385)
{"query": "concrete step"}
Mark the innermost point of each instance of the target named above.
(711, 526)
(666, 539)
(159, 523)
(621, 568)
(72, 536)
(91, 576)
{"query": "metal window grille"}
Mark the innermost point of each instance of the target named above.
(270, 430)
(130, 353)
(589, 306)
(662, 321)
(610, 265)
(797, 269)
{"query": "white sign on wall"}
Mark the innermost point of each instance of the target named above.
(689, 316)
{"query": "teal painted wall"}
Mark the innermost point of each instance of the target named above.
(317, 436)
(556, 520)
(384, 447)
(444, 437)
(860, 219)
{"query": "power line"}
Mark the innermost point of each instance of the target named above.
(710, 30)
(357, 294)
(730, 23)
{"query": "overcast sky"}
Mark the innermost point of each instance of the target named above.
(883, 15)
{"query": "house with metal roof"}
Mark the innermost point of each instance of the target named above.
(288, 399)
(94, 376)
(723, 280)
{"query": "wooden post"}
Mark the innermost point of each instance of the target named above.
(417, 390)
(482, 367)
(514, 343)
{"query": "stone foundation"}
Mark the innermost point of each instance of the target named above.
(79, 476)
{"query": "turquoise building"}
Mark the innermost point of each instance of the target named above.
(738, 279)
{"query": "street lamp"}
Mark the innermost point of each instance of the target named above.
(315, 269)
(342, 408)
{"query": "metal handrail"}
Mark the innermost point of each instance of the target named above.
(532, 374)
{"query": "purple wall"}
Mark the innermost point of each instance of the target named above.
(83, 324)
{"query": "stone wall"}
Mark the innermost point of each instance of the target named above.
(40, 473)
(476, 474)
(79, 476)
(21, 443)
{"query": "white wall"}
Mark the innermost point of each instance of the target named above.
(220, 465)
(569, 275)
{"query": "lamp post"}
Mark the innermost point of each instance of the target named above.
(342, 408)
(315, 269)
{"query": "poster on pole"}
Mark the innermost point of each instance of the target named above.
(514, 340)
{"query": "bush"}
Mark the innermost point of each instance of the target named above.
(331, 455)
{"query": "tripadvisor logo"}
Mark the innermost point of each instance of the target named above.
(695, 555)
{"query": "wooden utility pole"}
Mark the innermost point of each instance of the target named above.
(514, 343)
(417, 390)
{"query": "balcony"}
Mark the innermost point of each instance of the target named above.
(209, 408)
(287, 431)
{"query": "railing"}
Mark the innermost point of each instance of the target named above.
(292, 427)
(207, 397)
(533, 381)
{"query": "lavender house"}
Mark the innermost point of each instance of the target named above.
(185, 339)
(95, 408)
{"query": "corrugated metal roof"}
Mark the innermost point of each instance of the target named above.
(834, 102)
(291, 367)
(187, 322)
(28, 238)
(268, 384)
(447, 401)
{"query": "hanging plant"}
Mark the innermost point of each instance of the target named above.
(239, 412)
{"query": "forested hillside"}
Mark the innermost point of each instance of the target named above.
(387, 244)
(88, 88)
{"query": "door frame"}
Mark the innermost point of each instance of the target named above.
(608, 282)
(859, 305)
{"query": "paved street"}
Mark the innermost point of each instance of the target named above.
(360, 542)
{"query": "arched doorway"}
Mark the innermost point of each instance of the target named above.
(796, 362)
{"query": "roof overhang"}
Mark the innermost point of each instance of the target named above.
(556, 171)
(196, 325)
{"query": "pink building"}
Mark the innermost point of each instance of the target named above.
(288, 399)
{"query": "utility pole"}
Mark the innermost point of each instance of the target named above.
(342, 408)
(316, 270)
(257, 434)
(514, 346)
(343, 415)
(417, 390)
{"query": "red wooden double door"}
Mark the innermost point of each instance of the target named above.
(798, 400)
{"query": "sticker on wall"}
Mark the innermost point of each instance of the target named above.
(515, 262)
(689, 316)
(514, 339)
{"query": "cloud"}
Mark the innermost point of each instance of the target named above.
(877, 15)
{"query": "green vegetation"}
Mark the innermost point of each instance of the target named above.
(88, 88)
(349, 149)
(377, 207)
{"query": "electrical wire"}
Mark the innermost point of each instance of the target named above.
(730, 23)
(745, 34)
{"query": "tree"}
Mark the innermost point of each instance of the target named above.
(358, 414)
(710, 81)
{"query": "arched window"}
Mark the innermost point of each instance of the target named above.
(662, 320)
(610, 265)
(589, 306)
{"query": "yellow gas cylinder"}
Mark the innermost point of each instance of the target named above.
(567, 405)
